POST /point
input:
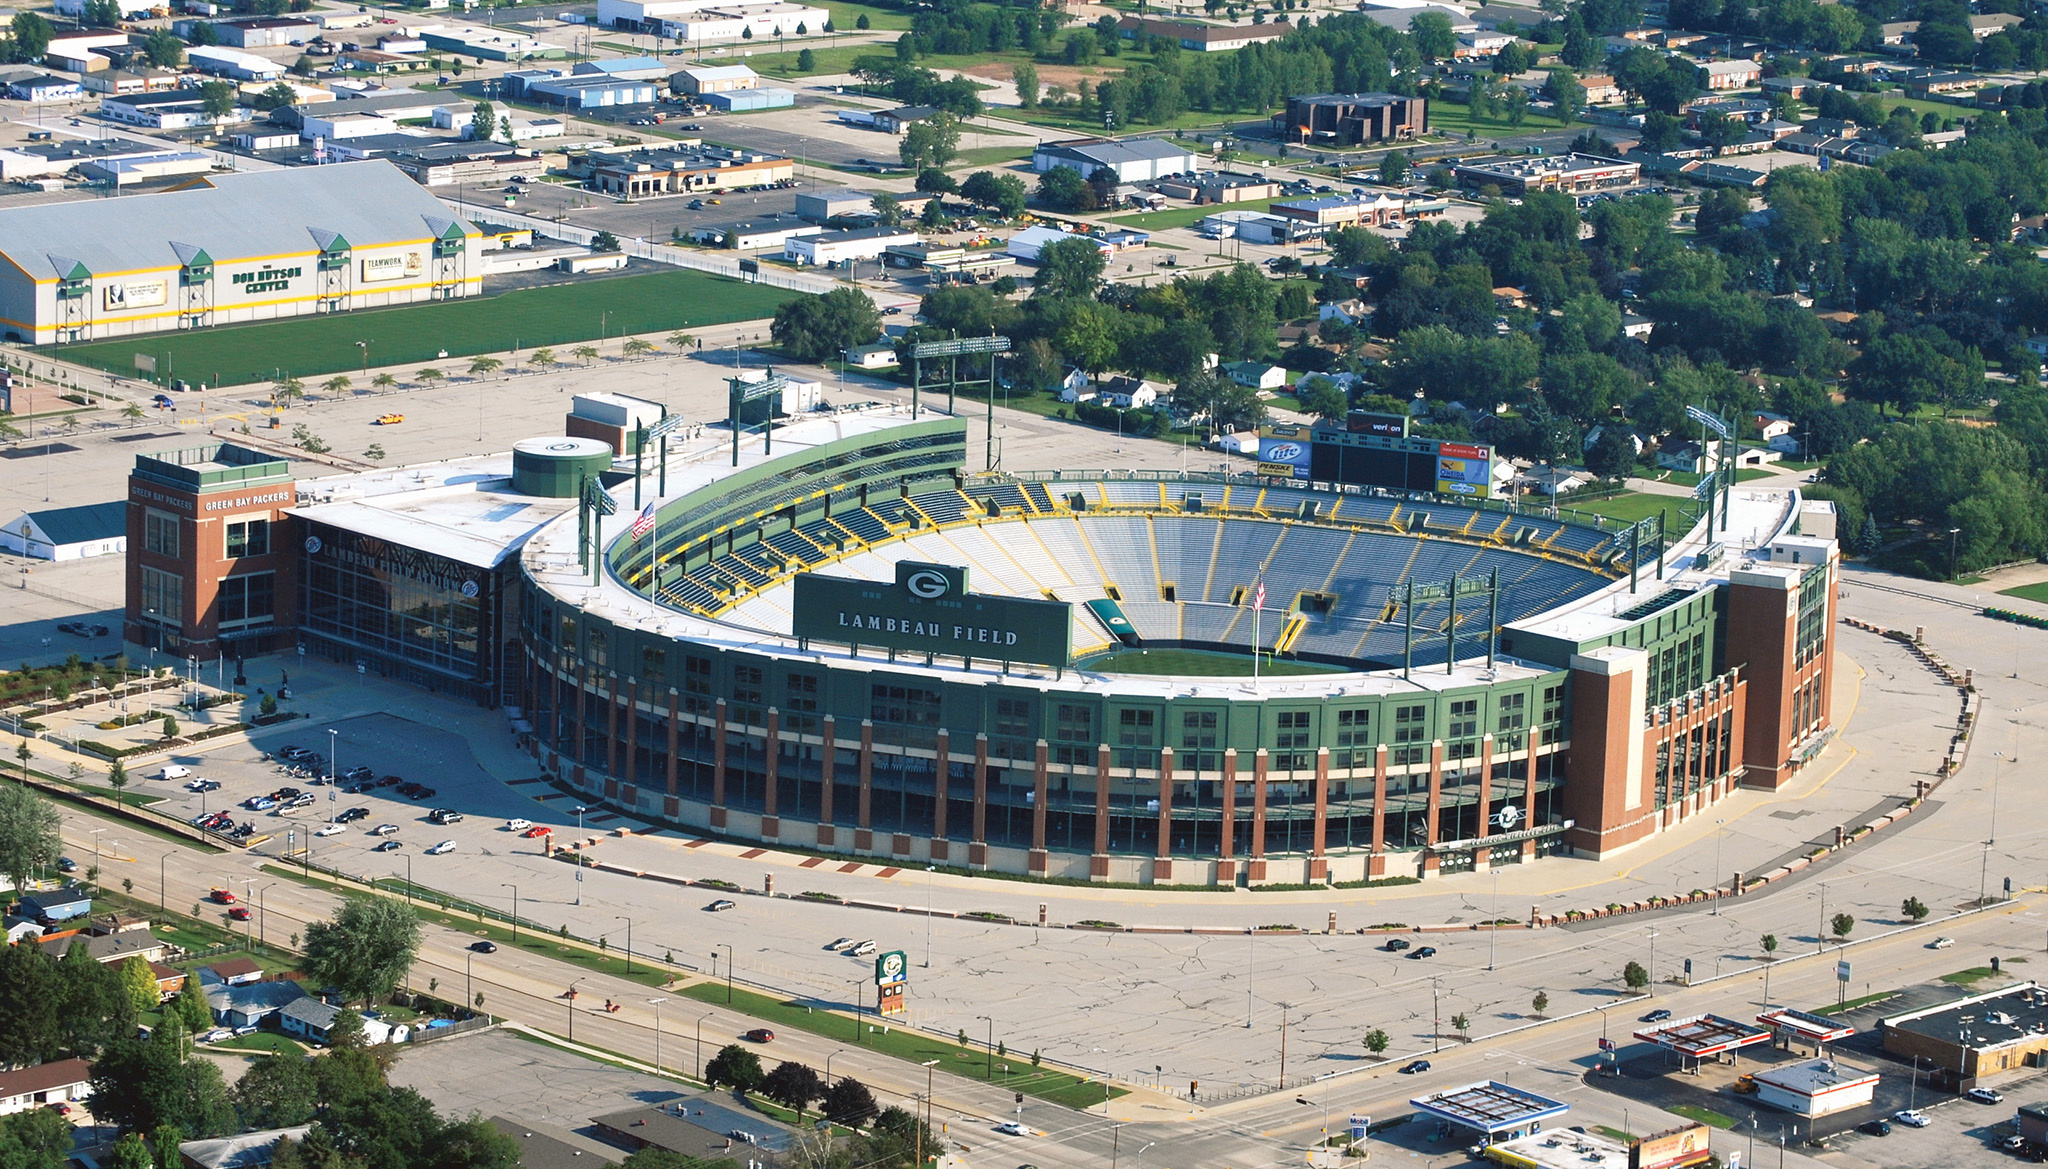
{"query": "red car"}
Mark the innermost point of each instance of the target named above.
(240, 913)
(223, 896)
(538, 830)
(60, 1108)
(761, 1035)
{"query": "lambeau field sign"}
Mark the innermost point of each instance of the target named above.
(930, 610)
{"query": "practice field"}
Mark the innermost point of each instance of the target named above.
(1193, 662)
(304, 347)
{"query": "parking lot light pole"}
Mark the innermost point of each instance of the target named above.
(580, 809)
(728, 971)
(629, 943)
(163, 886)
(990, 1019)
(468, 987)
(96, 853)
(515, 908)
(656, 1003)
(408, 878)
(332, 734)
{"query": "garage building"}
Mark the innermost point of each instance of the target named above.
(229, 248)
(1139, 160)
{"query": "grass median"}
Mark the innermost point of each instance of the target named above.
(970, 1062)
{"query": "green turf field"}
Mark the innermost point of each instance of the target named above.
(1199, 662)
(305, 347)
(2027, 592)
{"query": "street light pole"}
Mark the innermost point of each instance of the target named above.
(828, 1066)
(580, 809)
(468, 982)
(728, 972)
(657, 1032)
(515, 908)
(1492, 932)
(928, 907)
(331, 734)
(928, 1066)
(700, 1044)
(629, 942)
(991, 1046)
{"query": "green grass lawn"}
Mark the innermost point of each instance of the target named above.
(846, 16)
(1834, 1009)
(1193, 662)
(1973, 975)
(1186, 216)
(984, 157)
(1446, 118)
(2030, 592)
(306, 347)
(970, 1061)
(1632, 506)
(1704, 1115)
(261, 1041)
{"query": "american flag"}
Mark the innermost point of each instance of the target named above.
(1259, 597)
(644, 522)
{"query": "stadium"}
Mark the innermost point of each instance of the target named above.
(832, 636)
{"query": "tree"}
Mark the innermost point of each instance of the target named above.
(217, 98)
(1635, 976)
(163, 1145)
(806, 61)
(140, 1084)
(1914, 909)
(849, 1103)
(584, 353)
(793, 1085)
(190, 1007)
(604, 242)
(1025, 77)
(276, 1093)
(1539, 1004)
(1613, 454)
(163, 49)
(1511, 61)
(681, 340)
(816, 328)
(1069, 268)
(862, 23)
(29, 833)
(1769, 942)
(483, 365)
(637, 346)
(1563, 88)
(139, 981)
(384, 381)
(1377, 1041)
(1063, 189)
(736, 1066)
(428, 376)
(336, 385)
(1004, 194)
(1394, 167)
(117, 778)
(365, 949)
(1320, 396)
(1461, 1021)
(1433, 36)
(277, 96)
(1840, 924)
(131, 1152)
(346, 1032)
(36, 1139)
(31, 36)
(930, 143)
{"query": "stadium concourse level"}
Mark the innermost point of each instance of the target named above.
(1181, 556)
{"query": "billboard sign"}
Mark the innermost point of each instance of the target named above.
(1284, 457)
(891, 968)
(1384, 425)
(128, 294)
(377, 269)
(1670, 1149)
(1464, 470)
(929, 609)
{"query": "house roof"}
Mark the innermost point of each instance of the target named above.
(64, 1073)
(254, 996)
(61, 895)
(314, 1013)
(236, 968)
(703, 73)
(245, 1151)
(667, 1130)
(1105, 153)
(538, 1150)
(103, 947)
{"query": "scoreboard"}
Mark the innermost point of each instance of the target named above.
(1377, 455)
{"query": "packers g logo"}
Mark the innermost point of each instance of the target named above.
(927, 584)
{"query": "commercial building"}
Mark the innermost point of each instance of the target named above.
(170, 109)
(67, 533)
(234, 247)
(1134, 160)
(838, 247)
(685, 170)
(232, 63)
(628, 68)
(1517, 176)
(740, 101)
(704, 79)
(1738, 74)
(1027, 243)
(153, 167)
(1697, 1037)
(1198, 37)
(778, 653)
(491, 44)
(829, 203)
(1975, 1036)
(1220, 187)
(590, 93)
(265, 32)
(1788, 1026)
(761, 233)
(45, 89)
(705, 21)
(1815, 1087)
(1333, 211)
(1491, 1110)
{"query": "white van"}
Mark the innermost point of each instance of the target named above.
(862, 950)
(174, 771)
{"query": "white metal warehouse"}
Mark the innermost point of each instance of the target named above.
(230, 248)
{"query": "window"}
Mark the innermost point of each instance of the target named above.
(696, 683)
(746, 685)
(248, 538)
(1291, 741)
(163, 597)
(1073, 734)
(803, 692)
(248, 600)
(1513, 717)
(1013, 717)
(653, 662)
(1553, 714)
(1464, 719)
(1354, 739)
(160, 533)
(1411, 736)
(1136, 735)
(1198, 741)
(907, 705)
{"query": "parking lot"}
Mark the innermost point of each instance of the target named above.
(378, 824)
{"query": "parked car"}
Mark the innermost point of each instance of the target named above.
(760, 1035)
(1423, 952)
(1877, 1128)
(1984, 1096)
(1911, 1118)
(721, 905)
(442, 849)
(1415, 1067)
(1396, 945)
(445, 816)
(174, 771)
(391, 781)
(862, 950)
(334, 829)
(388, 846)
(259, 803)
(358, 774)
(537, 831)
(384, 830)
(518, 825)
(840, 944)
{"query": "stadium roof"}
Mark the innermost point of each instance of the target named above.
(271, 213)
(1703, 1035)
(1490, 1107)
(463, 509)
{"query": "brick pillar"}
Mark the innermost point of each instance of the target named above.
(771, 824)
(1763, 616)
(1319, 864)
(611, 728)
(1608, 787)
(1430, 861)
(632, 720)
(1529, 793)
(1482, 857)
(827, 835)
(1226, 864)
(1037, 863)
(1098, 861)
(582, 705)
(1162, 860)
(977, 847)
(671, 806)
(942, 762)
(864, 836)
(718, 764)
(1258, 861)
(1376, 864)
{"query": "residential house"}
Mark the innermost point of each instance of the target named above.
(1770, 426)
(1600, 88)
(44, 1084)
(1688, 457)
(1593, 436)
(2038, 345)
(1256, 374)
(1729, 74)
(249, 1150)
(1479, 45)
(1548, 480)
(249, 1005)
(312, 1019)
(22, 929)
(1924, 83)
(1353, 312)
(1073, 386)
(120, 923)
(902, 118)
(169, 979)
(233, 972)
(1992, 23)
(1131, 393)
(1196, 37)
(1634, 325)
(60, 904)
(107, 948)
(1897, 32)
(1792, 87)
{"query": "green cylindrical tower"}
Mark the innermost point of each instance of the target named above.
(554, 467)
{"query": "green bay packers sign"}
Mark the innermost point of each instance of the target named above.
(929, 609)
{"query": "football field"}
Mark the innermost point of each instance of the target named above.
(419, 335)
